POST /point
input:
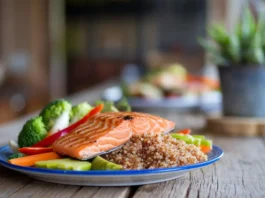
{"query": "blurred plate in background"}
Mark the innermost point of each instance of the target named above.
(209, 101)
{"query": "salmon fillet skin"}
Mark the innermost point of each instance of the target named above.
(106, 131)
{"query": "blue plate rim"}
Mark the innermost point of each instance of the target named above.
(216, 149)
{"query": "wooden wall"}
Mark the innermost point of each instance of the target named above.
(225, 11)
(24, 52)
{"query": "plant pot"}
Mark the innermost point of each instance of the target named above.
(243, 89)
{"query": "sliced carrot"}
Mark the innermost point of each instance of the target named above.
(205, 149)
(212, 83)
(193, 78)
(30, 160)
(184, 131)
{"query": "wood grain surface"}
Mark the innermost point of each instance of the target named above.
(240, 173)
(236, 126)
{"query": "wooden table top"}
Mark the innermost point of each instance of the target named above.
(240, 173)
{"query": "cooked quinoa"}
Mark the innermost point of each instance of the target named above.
(151, 150)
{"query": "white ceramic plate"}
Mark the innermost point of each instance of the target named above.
(107, 178)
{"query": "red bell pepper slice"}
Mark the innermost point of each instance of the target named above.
(50, 139)
(185, 131)
(35, 150)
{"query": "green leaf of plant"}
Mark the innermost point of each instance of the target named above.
(208, 45)
(123, 105)
(213, 51)
(255, 52)
(233, 49)
(261, 29)
(219, 35)
(261, 22)
(248, 28)
(255, 56)
(257, 40)
(217, 59)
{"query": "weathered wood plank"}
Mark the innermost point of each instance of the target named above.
(86, 192)
(103, 192)
(45, 189)
(11, 181)
(171, 189)
(241, 173)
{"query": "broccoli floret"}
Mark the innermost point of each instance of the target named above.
(53, 110)
(16, 155)
(32, 132)
(79, 111)
(123, 105)
(108, 106)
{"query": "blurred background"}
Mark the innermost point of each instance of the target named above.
(51, 49)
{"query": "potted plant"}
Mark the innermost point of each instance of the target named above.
(240, 57)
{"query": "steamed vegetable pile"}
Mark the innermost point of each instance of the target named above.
(54, 121)
(169, 81)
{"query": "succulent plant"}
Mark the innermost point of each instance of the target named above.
(245, 45)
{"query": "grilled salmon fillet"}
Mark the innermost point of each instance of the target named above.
(106, 131)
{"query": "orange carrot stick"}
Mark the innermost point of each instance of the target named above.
(30, 160)
(205, 149)
(184, 131)
(212, 83)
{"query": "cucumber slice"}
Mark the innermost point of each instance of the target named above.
(178, 135)
(51, 164)
(75, 165)
(186, 138)
(99, 163)
(202, 137)
(64, 164)
(207, 143)
(197, 141)
(190, 139)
